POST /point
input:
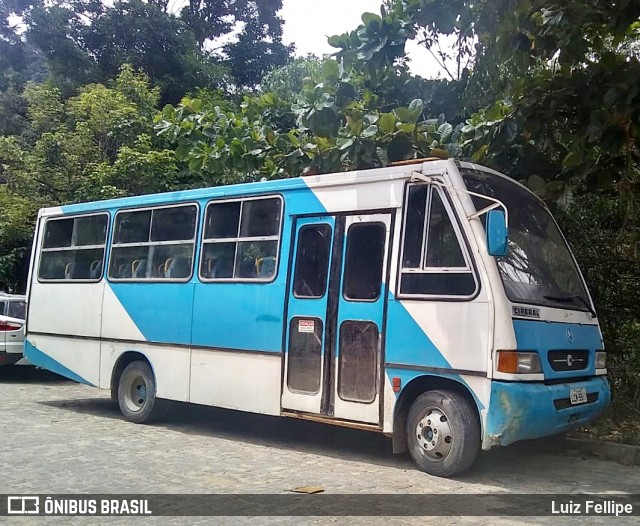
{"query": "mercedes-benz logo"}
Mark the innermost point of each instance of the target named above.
(569, 336)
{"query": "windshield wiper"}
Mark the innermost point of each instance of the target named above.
(569, 299)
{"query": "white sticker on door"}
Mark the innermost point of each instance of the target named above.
(306, 326)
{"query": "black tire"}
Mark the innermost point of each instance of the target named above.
(456, 447)
(137, 393)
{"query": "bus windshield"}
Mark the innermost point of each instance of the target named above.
(539, 268)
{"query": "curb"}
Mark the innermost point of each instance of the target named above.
(625, 454)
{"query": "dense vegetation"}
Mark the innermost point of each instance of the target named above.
(108, 100)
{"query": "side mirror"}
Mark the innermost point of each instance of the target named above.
(497, 233)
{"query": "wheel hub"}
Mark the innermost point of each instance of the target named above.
(136, 394)
(434, 434)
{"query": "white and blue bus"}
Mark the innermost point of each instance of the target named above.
(435, 302)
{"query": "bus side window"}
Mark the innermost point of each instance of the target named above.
(51, 267)
(443, 247)
(207, 267)
(364, 261)
(414, 225)
(241, 239)
(124, 270)
(312, 261)
(154, 244)
(246, 269)
(434, 262)
(218, 260)
(139, 268)
(73, 247)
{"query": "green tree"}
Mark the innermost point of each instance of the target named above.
(337, 127)
(553, 85)
(257, 46)
(19, 63)
(361, 110)
(288, 80)
(18, 60)
(95, 145)
(16, 232)
(87, 41)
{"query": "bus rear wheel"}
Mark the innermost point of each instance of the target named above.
(137, 393)
(443, 433)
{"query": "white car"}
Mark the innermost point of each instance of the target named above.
(13, 309)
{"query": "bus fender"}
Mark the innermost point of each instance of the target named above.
(407, 396)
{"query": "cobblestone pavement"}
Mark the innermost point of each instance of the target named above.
(62, 437)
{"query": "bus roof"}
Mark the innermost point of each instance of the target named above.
(248, 189)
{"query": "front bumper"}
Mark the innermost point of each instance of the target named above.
(522, 411)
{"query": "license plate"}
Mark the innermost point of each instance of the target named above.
(578, 395)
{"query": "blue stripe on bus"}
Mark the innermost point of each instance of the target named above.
(240, 315)
(545, 336)
(160, 311)
(40, 359)
(229, 315)
(407, 342)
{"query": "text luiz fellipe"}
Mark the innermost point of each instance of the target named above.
(591, 507)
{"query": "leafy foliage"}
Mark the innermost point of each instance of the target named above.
(129, 31)
(248, 145)
(98, 144)
(258, 48)
(606, 249)
(16, 232)
(287, 81)
(87, 41)
(361, 110)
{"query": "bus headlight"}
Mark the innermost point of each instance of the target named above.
(519, 362)
(601, 360)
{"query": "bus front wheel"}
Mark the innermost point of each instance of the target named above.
(137, 393)
(443, 433)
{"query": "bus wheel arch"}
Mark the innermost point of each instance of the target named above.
(123, 360)
(134, 385)
(411, 392)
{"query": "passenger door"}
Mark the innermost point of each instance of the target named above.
(334, 323)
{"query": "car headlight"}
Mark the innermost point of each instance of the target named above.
(601, 360)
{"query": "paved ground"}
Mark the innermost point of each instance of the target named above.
(61, 437)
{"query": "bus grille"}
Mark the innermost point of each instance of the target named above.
(568, 360)
(565, 403)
